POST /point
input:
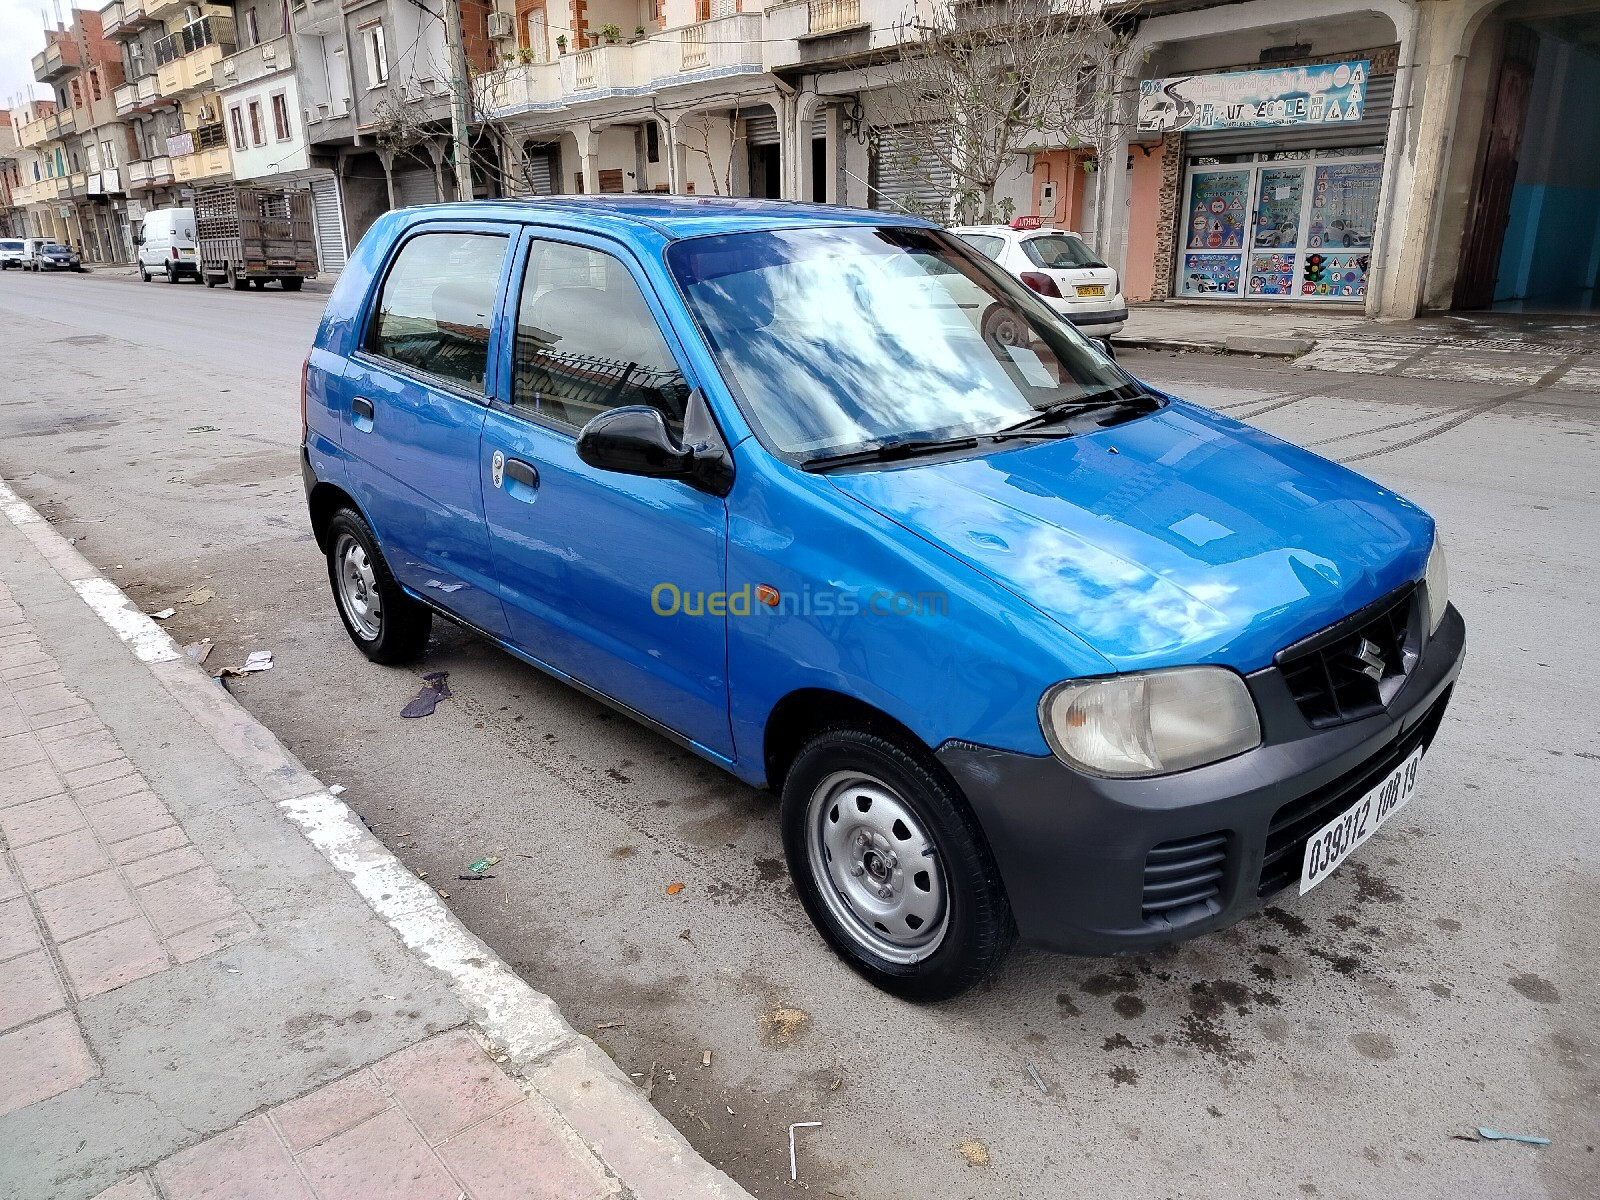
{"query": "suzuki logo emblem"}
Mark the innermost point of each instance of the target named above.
(1371, 659)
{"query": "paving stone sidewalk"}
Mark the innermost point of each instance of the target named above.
(194, 1001)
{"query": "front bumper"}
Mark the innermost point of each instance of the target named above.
(1074, 849)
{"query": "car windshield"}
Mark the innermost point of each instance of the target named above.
(848, 338)
(1060, 251)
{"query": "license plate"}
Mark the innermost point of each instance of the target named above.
(1095, 289)
(1335, 841)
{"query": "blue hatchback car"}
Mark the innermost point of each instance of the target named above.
(1024, 645)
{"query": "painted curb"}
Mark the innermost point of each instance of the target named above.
(1285, 348)
(592, 1095)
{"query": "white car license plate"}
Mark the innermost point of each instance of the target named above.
(1335, 841)
(1097, 289)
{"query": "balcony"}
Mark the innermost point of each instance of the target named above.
(37, 131)
(124, 19)
(141, 96)
(720, 44)
(55, 62)
(830, 16)
(187, 59)
(149, 173)
(525, 87)
(259, 61)
(63, 123)
(202, 164)
(165, 10)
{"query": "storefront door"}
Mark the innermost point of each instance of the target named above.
(1294, 226)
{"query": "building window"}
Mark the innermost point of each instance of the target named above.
(258, 136)
(236, 121)
(280, 116)
(108, 156)
(251, 28)
(377, 56)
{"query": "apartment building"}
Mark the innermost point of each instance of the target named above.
(171, 51)
(13, 221)
(79, 144)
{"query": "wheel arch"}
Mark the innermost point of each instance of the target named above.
(805, 712)
(325, 500)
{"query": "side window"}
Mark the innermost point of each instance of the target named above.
(587, 342)
(985, 244)
(437, 305)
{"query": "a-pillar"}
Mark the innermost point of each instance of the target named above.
(588, 139)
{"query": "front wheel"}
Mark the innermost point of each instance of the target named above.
(385, 624)
(892, 867)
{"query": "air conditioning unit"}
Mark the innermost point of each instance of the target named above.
(205, 113)
(501, 25)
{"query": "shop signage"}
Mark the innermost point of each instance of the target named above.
(1325, 94)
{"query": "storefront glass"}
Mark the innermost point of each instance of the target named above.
(1287, 226)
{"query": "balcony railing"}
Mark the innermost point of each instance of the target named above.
(825, 16)
(521, 87)
(587, 69)
(693, 43)
(255, 62)
(207, 31)
(150, 172)
(725, 41)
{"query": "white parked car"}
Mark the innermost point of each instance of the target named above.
(1060, 267)
(13, 253)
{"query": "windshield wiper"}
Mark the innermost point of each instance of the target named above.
(889, 452)
(1038, 424)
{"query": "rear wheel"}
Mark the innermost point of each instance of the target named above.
(385, 624)
(891, 866)
(1005, 326)
(172, 274)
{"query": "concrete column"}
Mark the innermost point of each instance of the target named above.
(805, 113)
(677, 154)
(588, 137)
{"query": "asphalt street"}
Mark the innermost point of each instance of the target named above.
(1443, 979)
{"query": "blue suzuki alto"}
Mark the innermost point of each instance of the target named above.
(1024, 645)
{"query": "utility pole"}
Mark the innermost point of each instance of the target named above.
(460, 81)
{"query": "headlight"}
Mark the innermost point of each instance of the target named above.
(1150, 723)
(1436, 585)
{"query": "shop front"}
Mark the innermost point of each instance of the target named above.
(1279, 193)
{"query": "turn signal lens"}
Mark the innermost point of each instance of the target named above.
(1152, 723)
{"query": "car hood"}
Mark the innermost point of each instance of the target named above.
(1178, 537)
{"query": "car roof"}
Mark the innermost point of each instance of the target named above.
(1007, 231)
(673, 216)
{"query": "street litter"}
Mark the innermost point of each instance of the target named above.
(164, 614)
(199, 596)
(975, 1152)
(259, 660)
(610, 1024)
(674, 888)
(1494, 1135)
(434, 689)
(1036, 1079)
(794, 1171)
(444, 895)
(475, 878)
(337, 789)
(483, 864)
(705, 1058)
(204, 429)
(198, 652)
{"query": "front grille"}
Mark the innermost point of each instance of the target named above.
(1294, 823)
(1353, 668)
(1182, 874)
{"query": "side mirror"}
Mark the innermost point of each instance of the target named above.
(635, 440)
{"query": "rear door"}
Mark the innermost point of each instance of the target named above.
(412, 404)
(590, 561)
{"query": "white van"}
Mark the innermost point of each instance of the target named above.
(167, 245)
(13, 253)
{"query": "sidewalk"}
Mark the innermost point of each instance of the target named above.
(214, 982)
(1289, 332)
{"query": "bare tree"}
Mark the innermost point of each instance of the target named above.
(696, 133)
(398, 128)
(979, 82)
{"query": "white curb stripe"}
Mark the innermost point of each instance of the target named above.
(18, 511)
(523, 1023)
(143, 636)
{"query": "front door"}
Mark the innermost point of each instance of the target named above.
(413, 400)
(607, 578)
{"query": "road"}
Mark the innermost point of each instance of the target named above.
(1331, 1046)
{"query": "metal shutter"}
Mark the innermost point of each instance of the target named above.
(539, 172)
(327, 215)
(412, 188)
(1371, 130)
(903, 179)
(761, 129)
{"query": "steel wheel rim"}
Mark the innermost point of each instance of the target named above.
(357, 586)
(876, 867)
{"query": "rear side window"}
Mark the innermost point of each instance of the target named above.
(984, 243)
(437, 305)
(587, 342)
(1059, 251)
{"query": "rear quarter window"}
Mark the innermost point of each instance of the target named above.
(437, 303)
(985, 244)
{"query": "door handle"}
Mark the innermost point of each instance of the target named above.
(363, 413)
(522, 472)
(519, 479)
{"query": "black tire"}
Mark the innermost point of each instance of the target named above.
(976, 929)
(144, 276)
(1006, 326)
(291, 285)
(172, 276)
(1111, 351)
(402, 624)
